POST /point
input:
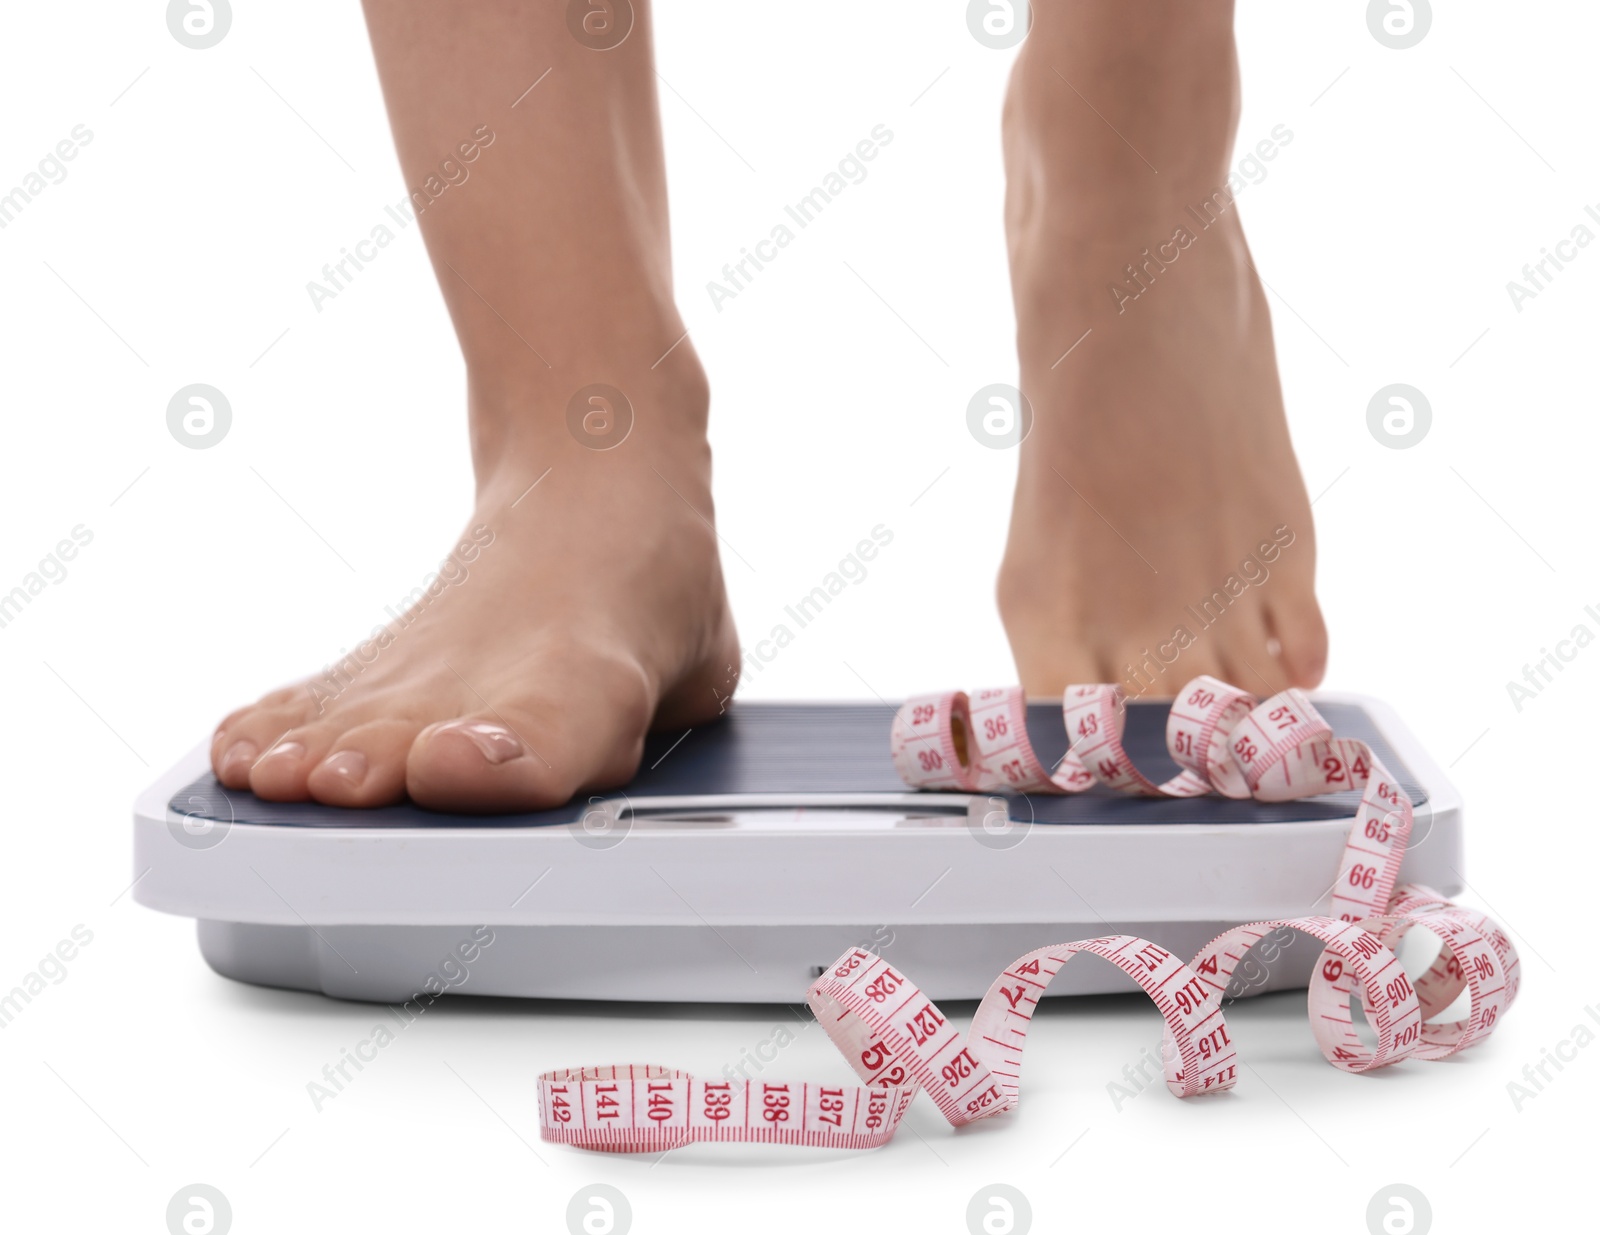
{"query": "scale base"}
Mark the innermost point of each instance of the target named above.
(748, 854)
(381, 964)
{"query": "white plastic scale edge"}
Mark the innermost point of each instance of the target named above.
(738, 899)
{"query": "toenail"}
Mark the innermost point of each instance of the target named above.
(240, 755)
(284, 750)
(349, 766)
(497, 743)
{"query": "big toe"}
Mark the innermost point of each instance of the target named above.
(531, 754)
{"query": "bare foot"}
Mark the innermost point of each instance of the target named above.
(1160, 526)
(569, 617)
(586, 600)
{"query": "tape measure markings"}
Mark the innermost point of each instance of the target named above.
(897, 1040)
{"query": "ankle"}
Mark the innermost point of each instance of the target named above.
(636, 390)
(1087, 213)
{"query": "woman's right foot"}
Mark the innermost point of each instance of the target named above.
(593, 605)
(584, 603)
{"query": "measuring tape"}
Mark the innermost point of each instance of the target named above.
(897, 1040)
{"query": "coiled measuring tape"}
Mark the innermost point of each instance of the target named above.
(897, 1040)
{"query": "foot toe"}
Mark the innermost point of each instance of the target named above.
(231, 759)
(365, 766)
(247, 735)
(279, 772)
(1302, 639)
(488, 763)
(1245, 656)
(534, 754)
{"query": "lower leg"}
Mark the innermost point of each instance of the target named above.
(593, 603)
(553, 253)
(1161, 528)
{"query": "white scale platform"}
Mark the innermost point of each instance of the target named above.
(746, 855)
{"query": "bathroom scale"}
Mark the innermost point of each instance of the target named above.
(747, 854)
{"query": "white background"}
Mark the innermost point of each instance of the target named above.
(177, 251)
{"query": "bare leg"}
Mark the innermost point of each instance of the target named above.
(1158, 486)
(592, 603)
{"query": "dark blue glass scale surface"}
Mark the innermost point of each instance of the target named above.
(841, 748)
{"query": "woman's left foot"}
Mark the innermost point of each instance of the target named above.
(1160, 527)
